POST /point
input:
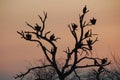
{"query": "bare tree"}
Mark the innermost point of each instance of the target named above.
(84, 41)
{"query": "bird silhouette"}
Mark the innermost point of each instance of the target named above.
(89, 43)
(28, 36)
(37, 28)
(74, 26)
(104, 60)
(93, 21)
(52, 37)
(85, 9)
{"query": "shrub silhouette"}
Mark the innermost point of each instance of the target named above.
(84, 42)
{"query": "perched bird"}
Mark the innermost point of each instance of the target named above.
(89, 43)
(93, 21)
(28, 36)
(37, 28)
(90, 47)
(85, 9)
(52, 37)
(74, 26)
(104, 60)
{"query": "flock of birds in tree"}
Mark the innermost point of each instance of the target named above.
(38, 29)
(86, 36)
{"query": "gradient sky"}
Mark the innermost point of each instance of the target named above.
(16, 53)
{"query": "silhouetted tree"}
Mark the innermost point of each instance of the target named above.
(84, 41)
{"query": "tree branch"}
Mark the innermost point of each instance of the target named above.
(22, 75)
(47, 33)
(67, 60)
(87, 58)
(43, 21)
(93, 65)
(30, 25)
(73, 33)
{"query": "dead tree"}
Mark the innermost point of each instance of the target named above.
(84, 41)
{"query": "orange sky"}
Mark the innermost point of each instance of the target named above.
(15, 53)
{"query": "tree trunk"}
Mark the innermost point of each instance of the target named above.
(97, 77)
(61, 77)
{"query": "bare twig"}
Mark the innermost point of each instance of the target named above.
(30, 25)
(47, 33)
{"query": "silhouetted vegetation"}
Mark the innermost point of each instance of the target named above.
(82, 50)
(43, 73)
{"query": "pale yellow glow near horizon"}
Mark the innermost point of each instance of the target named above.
(13, 14)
